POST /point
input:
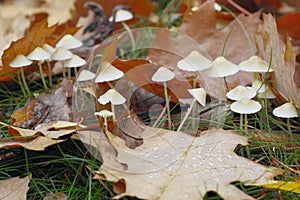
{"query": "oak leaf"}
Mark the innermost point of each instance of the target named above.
(14, 188)
(174, 165)
(283, 59)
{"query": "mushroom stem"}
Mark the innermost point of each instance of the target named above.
(186, 115)
(24, 80)
(246, 123)
(42, 76)
(105, 123)
(289, 126)
(126, 27)
(63, 70)
(113, 111)
(241, 121)
(167, 105)
(50, 73)
(69, 73)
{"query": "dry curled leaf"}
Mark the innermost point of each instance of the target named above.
(14, 188)
(164, 165)
(283, 57)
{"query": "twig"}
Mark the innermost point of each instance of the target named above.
(235, 5)
(284, 165)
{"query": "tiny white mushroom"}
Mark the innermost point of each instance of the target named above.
(287, 110)
(48, 48)
(194, 62)
(199, 95)
(259, 86)
(245, 106)
(104, 114)
(108, 72)
(221, 68)
(40, 55)
(255, 64)
(69, 42)
(21, 61)
(241, 92)
(86, 75)
(114, 97)
(163, 75)
(74, 61)
(267, 94)
(62, 54)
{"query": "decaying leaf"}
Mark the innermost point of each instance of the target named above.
(14, 188)
(292, 186)
(36, 144)
(283, 59)
(174, 165)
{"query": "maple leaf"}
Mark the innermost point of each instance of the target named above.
(14, 188)
(283, 59)
(174, 165)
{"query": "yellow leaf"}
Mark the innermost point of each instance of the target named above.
(292, 186)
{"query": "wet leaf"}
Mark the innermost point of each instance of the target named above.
(164, 165)
(283, 60)
(14, 188)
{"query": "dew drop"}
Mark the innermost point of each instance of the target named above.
(211, 164)
(155, 148)
(155, 156)
(229, 156)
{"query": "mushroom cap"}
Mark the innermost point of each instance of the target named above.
(163, 75)
(259, 86)
(104, 113)
(221, 68)
(122, 15)
(241, 92)
(85, 75)
(195, 61)
(108, 73)
(245, 106)
(199, 94)
(69, 42)
(61, 54)
(267, 94)
(20, 61)
(112, 96)
(287, 110)
(39, 54)
(48, 48)
(74, 61)
(255, 64)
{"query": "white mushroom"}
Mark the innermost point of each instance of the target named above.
(163, 75)
(73, 62)
(199, 95)
(245, 106)
(62, 54)
(40, 55)
(259, 86)
(287, 110)
(221, 68)
(114, 97)
(86, 75)
(50, 50)
(108, 73)
(21, 61)
(194, 62)
(241, 92)
(68, 42)
(255, 64)
(104, 114)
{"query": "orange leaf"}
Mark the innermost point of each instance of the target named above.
(290, 24)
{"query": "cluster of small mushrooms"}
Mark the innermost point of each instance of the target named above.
(220, 67)
(47, 53)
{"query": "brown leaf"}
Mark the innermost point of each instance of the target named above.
(289, 24)
(164, 165)
(14, 188)
(36, 144)
(283, 59)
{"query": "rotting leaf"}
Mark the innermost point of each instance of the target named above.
(14, 188)
(164, 165)
(283, 59)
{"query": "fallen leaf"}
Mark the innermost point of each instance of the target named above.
(14, 188)
(39, 34)
(283, 60)
(164, 165)
(36, 144)
(289, 24)
(292, 186)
